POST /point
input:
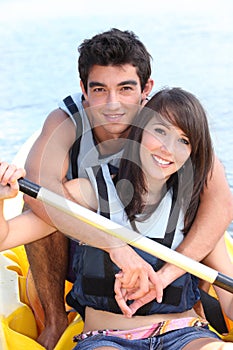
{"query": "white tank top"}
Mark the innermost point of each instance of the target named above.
(88, 154)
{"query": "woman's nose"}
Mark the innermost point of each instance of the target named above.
(167, 147)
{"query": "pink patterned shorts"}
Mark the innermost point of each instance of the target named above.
(148, 331)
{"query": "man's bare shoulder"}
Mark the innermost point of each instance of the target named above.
(52, 145)
(58, 120)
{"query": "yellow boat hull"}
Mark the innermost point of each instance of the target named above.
(19, 324)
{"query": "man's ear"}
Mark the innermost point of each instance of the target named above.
(83, 90)
(147, 89)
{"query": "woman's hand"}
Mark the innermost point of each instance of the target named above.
(9, 174)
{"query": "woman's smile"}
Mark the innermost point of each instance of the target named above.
(161, 161)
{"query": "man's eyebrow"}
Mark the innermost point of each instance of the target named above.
(95, 83)
(122, 83)
(128, 82)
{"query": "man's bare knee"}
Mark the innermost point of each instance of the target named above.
(55, 243)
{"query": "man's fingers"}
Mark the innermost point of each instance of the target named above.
(136, 304)
(128, 280)
(121, 298)
(157, 284)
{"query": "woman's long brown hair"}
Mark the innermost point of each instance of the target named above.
(183, 110)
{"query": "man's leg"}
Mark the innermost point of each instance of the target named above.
(48, 259)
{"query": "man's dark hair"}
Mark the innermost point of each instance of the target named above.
(114, 48)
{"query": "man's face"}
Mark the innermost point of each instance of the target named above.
(113, 97)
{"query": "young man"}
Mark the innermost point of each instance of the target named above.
(114, 69)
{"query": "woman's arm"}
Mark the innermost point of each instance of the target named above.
(25, 227)
(28, 227)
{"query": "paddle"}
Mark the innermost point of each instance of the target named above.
(129, 236)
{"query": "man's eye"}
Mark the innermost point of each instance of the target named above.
(126, 88)
(98, 89)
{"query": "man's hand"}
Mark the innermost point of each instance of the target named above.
(122, 295)
(136, 281)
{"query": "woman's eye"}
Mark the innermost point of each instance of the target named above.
(184, 141)
(160, 131)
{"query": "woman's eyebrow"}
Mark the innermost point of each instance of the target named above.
(167, 125)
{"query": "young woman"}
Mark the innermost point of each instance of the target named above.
(163, 172)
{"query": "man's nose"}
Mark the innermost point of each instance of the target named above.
(113, 100)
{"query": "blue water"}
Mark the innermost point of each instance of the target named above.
(191, 43)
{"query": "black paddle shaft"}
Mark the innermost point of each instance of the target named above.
(224, 282)
(28, 187)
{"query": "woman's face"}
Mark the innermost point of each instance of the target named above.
(164, 149)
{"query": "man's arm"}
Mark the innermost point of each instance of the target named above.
(47, 161)
(47, 165)
(214, 215)
(220, 260)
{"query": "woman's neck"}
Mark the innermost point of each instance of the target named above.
(155, 192)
